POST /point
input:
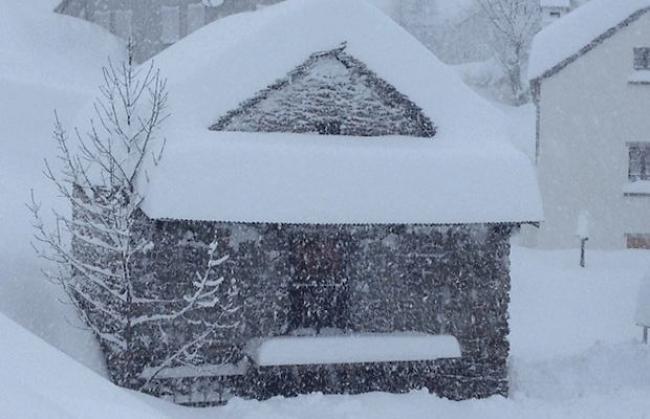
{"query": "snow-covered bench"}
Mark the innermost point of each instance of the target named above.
(352, 349)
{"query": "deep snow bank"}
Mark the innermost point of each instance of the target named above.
(37, 381)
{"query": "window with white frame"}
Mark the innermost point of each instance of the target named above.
(123, 21)
(642, 58)
(103, 19)
(639, 168)
(195, 17)
(170, 19)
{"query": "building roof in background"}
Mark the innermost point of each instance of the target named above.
(467, 173)
(565, 40)
(41, 47)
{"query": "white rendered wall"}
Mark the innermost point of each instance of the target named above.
(588, 112)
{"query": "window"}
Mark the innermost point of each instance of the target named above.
(170, 21)
(639, 162)
(123, 21)
(638, 241)
(556, 14)
(318, 293)
(103, 19)
(195, 17)
(642, 58)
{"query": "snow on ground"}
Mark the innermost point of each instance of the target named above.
(571, 308)
(37, 381)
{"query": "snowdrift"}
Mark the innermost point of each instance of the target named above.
(37, 381)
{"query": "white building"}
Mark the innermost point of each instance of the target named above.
(590, 75)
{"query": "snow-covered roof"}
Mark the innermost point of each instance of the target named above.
(292, 178)
(555, 3)
(578, 32)
(466, 173)
(40, 47)
(353, 349)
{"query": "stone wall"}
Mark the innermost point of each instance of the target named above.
(433, 279)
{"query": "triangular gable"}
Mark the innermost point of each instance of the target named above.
(332, 93)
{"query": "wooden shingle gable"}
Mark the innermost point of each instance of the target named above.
(332, 93)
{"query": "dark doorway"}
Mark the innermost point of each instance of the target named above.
(319, 292)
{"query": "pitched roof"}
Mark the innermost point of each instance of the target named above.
(564, 41)
(466, 173)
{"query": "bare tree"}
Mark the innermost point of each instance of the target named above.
(98, 251)
(514, 23)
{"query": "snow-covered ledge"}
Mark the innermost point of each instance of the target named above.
(193, 371)
(639, 77)
(352, 349)
(638, 188)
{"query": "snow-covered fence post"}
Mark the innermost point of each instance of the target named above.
(642, 317)
(583, 234)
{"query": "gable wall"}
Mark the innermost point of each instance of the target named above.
(588, 112)
(335, 91)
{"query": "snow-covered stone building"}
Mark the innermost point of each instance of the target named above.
(590, 75)
(365, 198)
(155, 24)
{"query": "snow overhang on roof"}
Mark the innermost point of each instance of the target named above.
(466, 174)
(564, 41)
(314, 179)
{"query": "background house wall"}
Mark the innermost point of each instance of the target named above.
(155, 24)
(589, 111)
